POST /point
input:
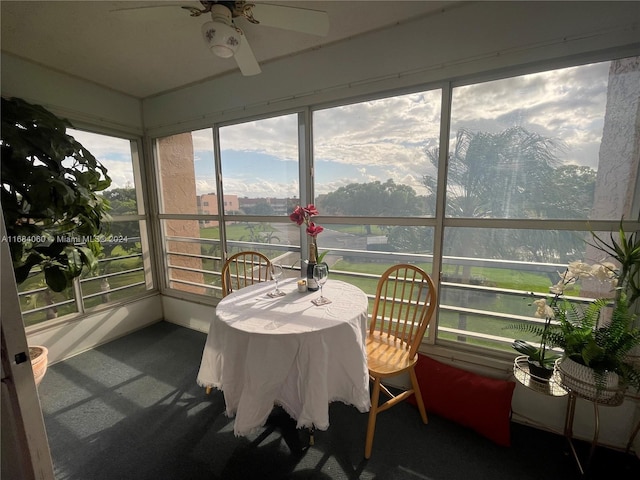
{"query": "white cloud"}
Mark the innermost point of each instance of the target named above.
(113, 153)
(205, 185)
(273, 136)
(387, 138)
(566, 104)
(102, 146)
(120, 173)
(203, 140)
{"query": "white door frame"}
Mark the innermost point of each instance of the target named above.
(25, 448)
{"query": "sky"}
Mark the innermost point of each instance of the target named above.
(114, 153)
(387, 138)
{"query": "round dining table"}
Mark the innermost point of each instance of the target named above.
(263, 351)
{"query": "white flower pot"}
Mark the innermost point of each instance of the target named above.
(581, 380)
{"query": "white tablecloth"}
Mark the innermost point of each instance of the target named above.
(286, 351)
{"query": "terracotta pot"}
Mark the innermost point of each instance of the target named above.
(39, 361)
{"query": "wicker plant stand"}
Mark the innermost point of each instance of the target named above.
(609, 397)
(555, 387)
(551, 386)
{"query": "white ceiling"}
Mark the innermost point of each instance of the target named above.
(143, 52)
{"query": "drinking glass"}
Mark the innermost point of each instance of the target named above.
(320, 275)
(275, 270)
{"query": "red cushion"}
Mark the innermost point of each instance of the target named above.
(477, 402)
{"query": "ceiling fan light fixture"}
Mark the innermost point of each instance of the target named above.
(222, 39)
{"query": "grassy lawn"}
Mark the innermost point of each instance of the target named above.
(500, 278)
(358, 229)
(210, 232)
(235, 231)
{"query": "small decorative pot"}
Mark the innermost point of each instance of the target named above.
(538, 373)
(581, 380)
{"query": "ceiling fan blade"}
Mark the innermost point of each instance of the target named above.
(146, 8)
(302, 20)
(245, 58)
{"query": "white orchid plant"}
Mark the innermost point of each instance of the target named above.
(604, 272)
(603, 346)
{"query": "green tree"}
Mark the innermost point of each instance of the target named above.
(513, 174)
(496, 175)
(122, 201)
(371, 199)
(49, 195)
(259, 209)
(493, 175)
(567, 193)
(411, 239)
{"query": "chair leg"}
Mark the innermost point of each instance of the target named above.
(373, 413)
(207, 390)
(416, 392)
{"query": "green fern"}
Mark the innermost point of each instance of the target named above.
(603, 346)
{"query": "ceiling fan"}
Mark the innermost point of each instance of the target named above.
(226, 40)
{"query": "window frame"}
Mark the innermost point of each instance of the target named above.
(142, 218)
(440, 222)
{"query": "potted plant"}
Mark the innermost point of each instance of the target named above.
(597, 338)
(595, 363)
(53, 215)
(626, 252)
(540, 358)
(52, 212)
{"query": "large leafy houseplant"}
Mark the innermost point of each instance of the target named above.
(52, 212)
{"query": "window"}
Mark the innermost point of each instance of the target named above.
(259, 164)
(531, 146)
(122, 272)
(187, 178)
(260, 177)
(370, 158)
(546, 148)
(532, 162)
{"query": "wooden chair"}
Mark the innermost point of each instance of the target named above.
(241, 270)
(244, 269)
(404, 305)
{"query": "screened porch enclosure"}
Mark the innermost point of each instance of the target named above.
(470, 142)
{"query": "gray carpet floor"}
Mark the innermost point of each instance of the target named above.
(131, 409)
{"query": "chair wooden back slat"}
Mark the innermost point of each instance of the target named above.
(404, 305)
(243, 269)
